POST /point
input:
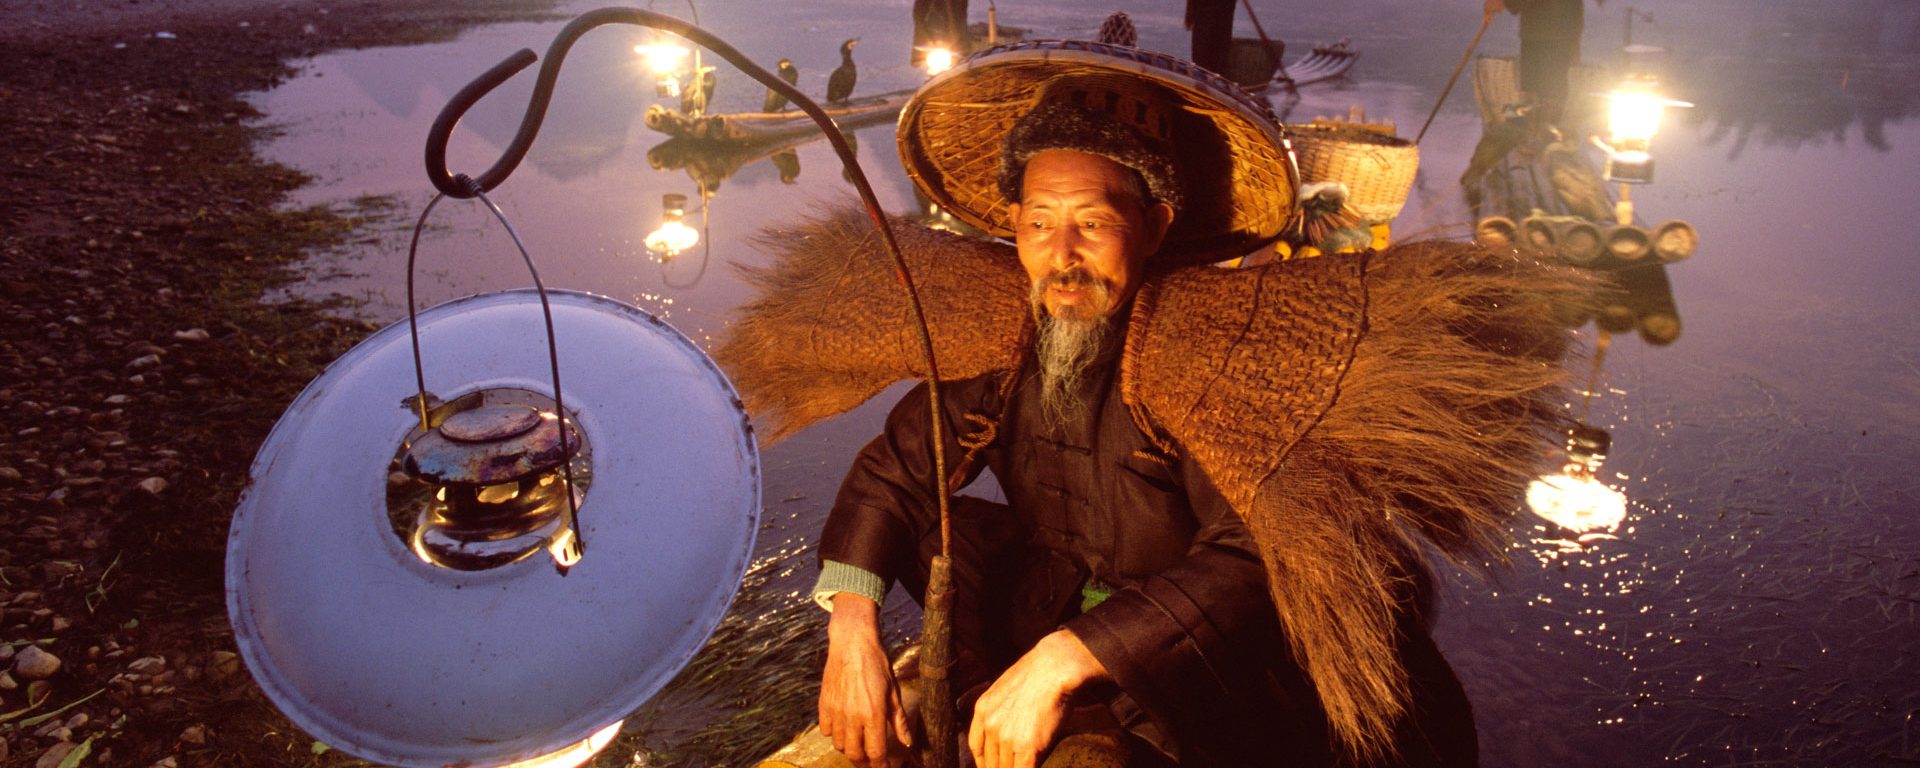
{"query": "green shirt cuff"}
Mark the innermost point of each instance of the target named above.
(836, 577)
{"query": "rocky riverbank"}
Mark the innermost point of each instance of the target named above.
(139, 369)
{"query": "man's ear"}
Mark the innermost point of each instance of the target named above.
(1013, 217)
(1159, 218)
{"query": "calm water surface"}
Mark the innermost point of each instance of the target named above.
(1760, 604)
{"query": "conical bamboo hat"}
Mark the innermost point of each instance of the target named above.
(1235, 165)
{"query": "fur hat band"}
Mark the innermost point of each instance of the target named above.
(1084, 127)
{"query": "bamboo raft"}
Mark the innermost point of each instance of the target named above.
(1324, 62)
(757, 127)
(1553, 198)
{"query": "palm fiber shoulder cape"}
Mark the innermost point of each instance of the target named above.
(1355, 409)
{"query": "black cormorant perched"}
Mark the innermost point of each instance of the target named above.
(789, 73)
(840, 84)
(698, 93)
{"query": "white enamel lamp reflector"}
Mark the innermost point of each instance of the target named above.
(384, 656)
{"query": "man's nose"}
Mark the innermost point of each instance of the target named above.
(1063, 249)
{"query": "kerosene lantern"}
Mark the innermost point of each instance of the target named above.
(385, 576)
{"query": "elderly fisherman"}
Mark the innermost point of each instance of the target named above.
(1215, 481)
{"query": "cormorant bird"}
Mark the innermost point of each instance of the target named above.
(789, 73)
(698, 93)
(840, 84)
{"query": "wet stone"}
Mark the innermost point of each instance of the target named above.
(32, 663)
(154, 486)
(148, 665)
(223, 664)
(54, 755)
(195, 735)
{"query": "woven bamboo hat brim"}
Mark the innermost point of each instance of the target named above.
(1235, 166)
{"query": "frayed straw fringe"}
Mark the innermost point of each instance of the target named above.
(1419, 426)
(831, 327)
(1355, 409)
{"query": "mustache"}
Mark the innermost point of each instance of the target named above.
(1073, 278)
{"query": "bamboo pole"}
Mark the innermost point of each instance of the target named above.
(1266, 41)
(1486, 20)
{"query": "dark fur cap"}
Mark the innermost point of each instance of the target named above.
(1058, 125)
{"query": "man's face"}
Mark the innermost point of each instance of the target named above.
(1083, 234)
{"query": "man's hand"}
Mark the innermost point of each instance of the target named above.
(1014, 721)
(857, 693)
(1495, 6)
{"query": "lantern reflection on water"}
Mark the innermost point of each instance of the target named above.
(673, 236)
(1574, 498)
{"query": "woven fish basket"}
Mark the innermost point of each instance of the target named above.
(1377, 168)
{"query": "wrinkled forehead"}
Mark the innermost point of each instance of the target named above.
(1064, 175)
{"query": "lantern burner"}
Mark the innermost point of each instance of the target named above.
(494, 487)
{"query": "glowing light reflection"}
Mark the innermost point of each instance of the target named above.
(1577, 503)
(577, 754)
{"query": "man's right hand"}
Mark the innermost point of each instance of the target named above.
(858, 697)
(1495, 6)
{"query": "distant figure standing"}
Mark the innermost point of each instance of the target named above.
(1549, 46)
(840, 83)
(1212, 25)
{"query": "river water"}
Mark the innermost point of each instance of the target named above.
(1759, 604)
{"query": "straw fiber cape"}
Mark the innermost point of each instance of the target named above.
(1355, 409)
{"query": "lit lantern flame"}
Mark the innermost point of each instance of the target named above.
(673, 237)
(939, 59)
(1633, 117)
(1633, 113)
(564, 549)
(577, 754)
(663, 58)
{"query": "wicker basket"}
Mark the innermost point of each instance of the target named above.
(1377, 168)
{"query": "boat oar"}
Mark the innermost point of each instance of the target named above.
(1485, 21)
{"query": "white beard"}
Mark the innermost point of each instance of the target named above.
(1065, 350)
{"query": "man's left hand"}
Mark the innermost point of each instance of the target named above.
(1015, 720)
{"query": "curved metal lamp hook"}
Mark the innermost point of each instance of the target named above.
(937, 654)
